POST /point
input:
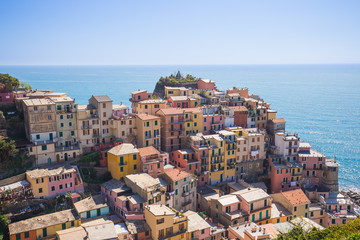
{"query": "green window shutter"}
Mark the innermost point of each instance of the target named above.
(60, 134)
(176, 192)
(44, 147)
(61, 117)
(72, 133)
(63, 226)
(61, 124)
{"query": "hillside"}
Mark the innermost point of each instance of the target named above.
(174, 81)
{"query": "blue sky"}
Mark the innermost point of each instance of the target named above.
(179, 32)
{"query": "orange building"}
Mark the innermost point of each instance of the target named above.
(148, 130)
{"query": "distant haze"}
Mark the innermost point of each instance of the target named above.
(158, 32)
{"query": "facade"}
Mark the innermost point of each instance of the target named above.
(124, 128)
(139, 96)
(88, 124)
(67, 147)
(212, 123)
(176, 124)
(295, 201)
(206, 84)
(147, 187)
(182, 185)
(40, 128)
(249, 231)
(166, 223)
(150, 106)
(175, 91)
(123, 159)
(198, 228)
(183, 102)
(151, 161)
(148, 130)
(48, 183)
(227, 210)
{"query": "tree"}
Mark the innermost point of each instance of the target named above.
(7, 149)
(25, 85)
(10, 83)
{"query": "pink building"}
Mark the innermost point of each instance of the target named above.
(61, 183)
(138, 96)
(119, 111)
(284, 175)
(183, 102)
(198, 228)
(119, 198)
(151, 161)
(206, 84)
(213, 122)
(312, 163)
(186, 160)
(6, 97)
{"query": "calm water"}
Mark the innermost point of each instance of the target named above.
(319, 102)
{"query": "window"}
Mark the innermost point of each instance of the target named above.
(49, 117)
(70, 124)
(104, 105)
(88, 215)
(61, 117)
(321, 212)
(44, 147)
(72, 133)
(306, 206)
(60, 186)
(31, 149)
(333, 221)
(98, 211)
(63, 226)
(156, 122)
(60, 134)
(52, 188)
(104, 114)
(306, 214)
(265, 202)
(135, 167)
(204, 119)
(160, 221)
(121, 169)
(18, 236)
(27, 234)
(176, 183)
(147, 124)
(44, 232)
(72, 223)
(251, 207)
(37, 136)
(134, 156)
(295, 208)
(176, 192)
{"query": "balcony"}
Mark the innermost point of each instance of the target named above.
(260, 209)
(234, 215)
(86, 127)
(186, 203)
(217, 169)
(97, 135)
(185, 194)
(54, 140)
(88, 116)
(148, 137)
(68, 148)
(176, 130)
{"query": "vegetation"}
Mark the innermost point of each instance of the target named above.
(91, 176)
(91, 157)
(10, 83)
(7, 150)
(4, 230)
(178, 78)
(349, 231)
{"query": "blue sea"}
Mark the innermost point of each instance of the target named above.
(319, 102)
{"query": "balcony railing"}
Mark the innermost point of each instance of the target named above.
(86, 127)
(43, 142)
(97, 135)
(184, 194)
(186, 203)
(68, 148)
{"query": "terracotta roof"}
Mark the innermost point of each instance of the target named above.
(176, 174)
(144, 116)
(239, 108)
(278, 120)
(146, 151)
(296, 197)
(123, 149)
(175, 111)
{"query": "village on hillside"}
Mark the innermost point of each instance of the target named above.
(188, 161)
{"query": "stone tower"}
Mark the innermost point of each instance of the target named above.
(331, 172)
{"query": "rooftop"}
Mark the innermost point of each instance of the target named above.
(186, 151)
(123, 149)
(146, 117)
(115, 186)
(137, 226)
(138, 91)
(277, 210)
(196, 223)
(42, 221)
(176, 111)
(62, 99)
(228, 200)
(101, 230)
(255, 230)
(306, 223)
(143, 180)
(119, 106)
(311, 153)
(48, 172)
(207, 80)
(102, 98)
(149, 101)
(278, 120)
(296, 197)
(176, 174)
(38, 102)
(90, 203)
(147, 151)
(159, 210)
(252, 194)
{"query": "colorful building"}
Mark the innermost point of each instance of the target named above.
(150, 106)
(182, 185)
(206, 84)
(44, 226)
(148, 130)
(198, 228)
(48, 183)
(166, 223)
(183, 102)
(138, 96)
(123, 159)
(151, 161)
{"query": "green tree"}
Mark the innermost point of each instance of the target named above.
(4, 226)
(25, 85)
(11, 83)
(7, 149)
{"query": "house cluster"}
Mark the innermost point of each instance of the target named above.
(198, 164)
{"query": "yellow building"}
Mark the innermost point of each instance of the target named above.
(124, 128)
(279, 214)
(44, 226)
(193, 118)
(175, 91)
(166, 223)
(148, 130)
(150, 106)
(123, 160)
(88, 124)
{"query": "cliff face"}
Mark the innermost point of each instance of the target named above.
(160, 86)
